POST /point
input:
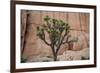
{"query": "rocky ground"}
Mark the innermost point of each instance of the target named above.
(66, 56)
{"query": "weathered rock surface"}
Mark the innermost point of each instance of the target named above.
(74, 55)
(39, 59)
(66, 56)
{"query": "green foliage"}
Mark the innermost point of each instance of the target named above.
(83, 58)
(46, 18)
(40, 32)
(23, 60)
(54, 28)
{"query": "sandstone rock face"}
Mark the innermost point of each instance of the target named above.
(36, 50)
(82, 40)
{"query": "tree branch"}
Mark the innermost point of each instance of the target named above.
(46, 42)
(44, 39)
(48, 25)
(66, 39)
(60, 42)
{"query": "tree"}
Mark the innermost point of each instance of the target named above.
(58, 32)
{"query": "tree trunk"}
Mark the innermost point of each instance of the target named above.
(55, 57)
(54, 54)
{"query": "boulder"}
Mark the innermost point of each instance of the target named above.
(74, 55)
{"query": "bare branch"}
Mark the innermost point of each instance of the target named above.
(66, 41)
(46, 41)
(61, 42)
